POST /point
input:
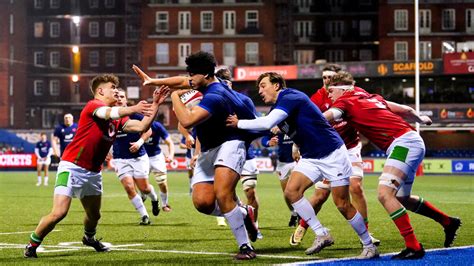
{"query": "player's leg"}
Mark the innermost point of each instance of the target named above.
(92, 206)
(46, 171)
(128, 184)
(283, 171)
(141, 171)
(39, 167)
(158, 168)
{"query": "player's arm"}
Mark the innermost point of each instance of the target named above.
(50, 152)
(55, 145)
(176, 82)
(333, 114)
(116, 112)
(170, 144)
(135, 146)
(408, 113)
(295, 152)
(189, 139)
(188, 117)
(259, 123)
(197, 152)
(37, 153)
(159, 96)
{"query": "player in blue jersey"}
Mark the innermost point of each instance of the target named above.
(323, 154)
(285, 163)
(63, 135)
(131, 165)
(223, 149)
(188, 142)
(43, 151)
(158, 160)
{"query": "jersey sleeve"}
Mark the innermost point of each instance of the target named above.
(57, 131)
(159, 130)
(287, 103)
(318, 98)
(341, 104)
(211, 103)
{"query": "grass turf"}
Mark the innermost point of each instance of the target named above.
(173, 237)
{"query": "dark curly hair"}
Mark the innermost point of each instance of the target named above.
(201, 63)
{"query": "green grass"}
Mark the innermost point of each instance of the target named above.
(184, 229)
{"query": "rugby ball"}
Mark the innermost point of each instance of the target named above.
(191, 98)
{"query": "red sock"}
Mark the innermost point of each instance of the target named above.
(366, 222)
(303, 224)
(427, 209)
(402, 221)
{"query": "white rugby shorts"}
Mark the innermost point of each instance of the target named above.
(135, 167)
(75, 181)
(284, 170)
(158, 164)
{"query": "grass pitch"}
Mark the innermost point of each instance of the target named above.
(185, 236)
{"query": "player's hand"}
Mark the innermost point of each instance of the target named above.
(295, 153)
(146, 79)
(273, 141)
(426, 120)
(275, 130)
(134, 147)
(192, 163)
(144, 108)
(232, 121)
(169, 159)
(189, 142)
(160, 94)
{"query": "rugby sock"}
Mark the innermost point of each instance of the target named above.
(46, 180)
(366, 222)
(39, 179)
(293, 213)
(35, 240)
(304, 224)
(164, 198)
(152, 193)
(357, 222)
(89, 234)
(306, 212)
(425, 208)
(236, 224)
(402, 221)
(137, 202)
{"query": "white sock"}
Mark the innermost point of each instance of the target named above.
(236, 224)
(256, 224)
(39, 179)
(46, 180)
(137, 202)
(217, 211)
(164, 198)
(306, 212)
(357, 222)
(152, 193)
(293, 213)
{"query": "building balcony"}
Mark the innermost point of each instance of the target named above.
(250, 30)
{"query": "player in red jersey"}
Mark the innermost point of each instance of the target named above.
(353, 145)
(78, 172)
(381, 122)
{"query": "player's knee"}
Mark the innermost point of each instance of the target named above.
(356, 189)
(249, 184)
(57, 216)
(292, 194)
(160, 178)
(204, 207)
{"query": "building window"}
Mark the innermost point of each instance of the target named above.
(365, 28)
(448, 47)
(54, 59)
(229, 53)
(94, 58)
(12, 114)
(93, 29)
(449, 19)
(304, 5)
(11, 85)
(207, 20)
(251, 19)
(425, 50)
(110, 29)
(207, 47)
(470, 20)
(110, 58)
(54, 87)
(401, 19)
(38, 4)
(401, 51)
(335, 28)
(12, 28)
(38, 58)
(184, 50)
(251, 53)
(49, 117)
(54, 4)
(304, 29)
(184, 22)
(425, 21)
(38, 87)
(54, 29)
(161, 21)
(38, 29)
(335, 55)
(11, 55)
(229, 22)
(94, 3)
(162, 53)
(365, 55)
(109, 3)
(304, 57)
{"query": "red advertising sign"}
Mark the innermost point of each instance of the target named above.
(458, 63)
(25, 160)
(368, 166)
(252, 73)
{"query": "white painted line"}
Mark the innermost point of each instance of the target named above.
(381, 255)
(24, 232)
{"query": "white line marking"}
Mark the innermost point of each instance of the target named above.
(24, 232)
(381, 255)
